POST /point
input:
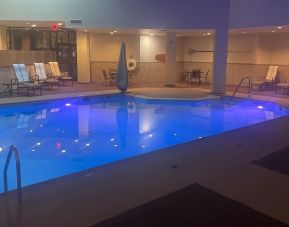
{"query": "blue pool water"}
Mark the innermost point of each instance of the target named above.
(60, 137)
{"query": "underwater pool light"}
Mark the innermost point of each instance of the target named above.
(260, 107)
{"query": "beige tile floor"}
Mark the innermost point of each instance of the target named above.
(217, 162)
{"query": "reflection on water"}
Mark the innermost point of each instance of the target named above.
(65, 136)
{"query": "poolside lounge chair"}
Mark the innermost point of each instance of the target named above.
(105, 77)
(204, 77)
(42, 76)
(62, 76)
(269, 80)
(22, 80)
(283, 87)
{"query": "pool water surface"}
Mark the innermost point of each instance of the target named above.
(60, 137)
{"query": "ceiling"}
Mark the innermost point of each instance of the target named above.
(160, 32)
(28, 24)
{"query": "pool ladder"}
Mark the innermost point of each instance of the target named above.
(13, 150)
(239, 85)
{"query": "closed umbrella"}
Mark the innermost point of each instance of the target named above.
(122, 75)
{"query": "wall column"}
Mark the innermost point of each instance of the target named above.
(170, 64)
(3, 40)
(83, 57)
(220, 61)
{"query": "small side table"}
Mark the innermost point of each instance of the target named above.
(9, 87)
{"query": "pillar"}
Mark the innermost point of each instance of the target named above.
(170, 63)
(3, 40)
(220, 61)
(83, 57)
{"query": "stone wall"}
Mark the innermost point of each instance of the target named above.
(146, 72)
(153, 72)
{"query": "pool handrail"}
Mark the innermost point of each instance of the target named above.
(13, 150)
(240, 83)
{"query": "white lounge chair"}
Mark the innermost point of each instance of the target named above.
(62, 76)
(42, 76)
(22, 80)
(269, 80)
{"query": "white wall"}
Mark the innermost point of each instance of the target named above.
(180, 49)
(150, 46)
(273, 49)
(269, 48)
(143, 48)
(106, 47)
(199, 44)
(243, 48)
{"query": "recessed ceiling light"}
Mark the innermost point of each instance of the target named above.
(204, 34)
(59, 24)
(115, 31)
(33, 25)
(111, 33)
(208, 33)
(279, 27)
(273, 31)
(27, 22)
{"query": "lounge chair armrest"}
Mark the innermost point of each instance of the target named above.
(14, 81)
(49, 75)
(35, 77)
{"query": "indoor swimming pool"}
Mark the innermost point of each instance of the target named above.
(59, 137)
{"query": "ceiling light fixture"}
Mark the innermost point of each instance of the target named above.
(208, 33)
(111, 33)
(33, 25)
(115, 31)
(279, 27)
(273, 31)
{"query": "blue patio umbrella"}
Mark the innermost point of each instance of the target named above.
(122, 75)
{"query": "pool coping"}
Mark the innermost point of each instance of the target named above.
(207, 95)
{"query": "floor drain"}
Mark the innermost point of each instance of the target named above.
(174, 167)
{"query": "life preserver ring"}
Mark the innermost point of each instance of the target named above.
(131, 64)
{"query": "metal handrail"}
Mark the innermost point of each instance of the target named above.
(249, 88)
(13, 150)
